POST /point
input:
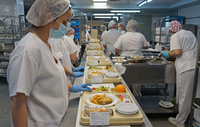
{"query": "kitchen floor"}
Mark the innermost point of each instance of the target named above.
(5, 109)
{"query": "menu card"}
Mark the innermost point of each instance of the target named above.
(99, 118)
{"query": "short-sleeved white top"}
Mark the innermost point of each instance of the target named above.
(32, 70)
(131, 43)
(60, 47)
(187, 42)
(110, 39)
(71, 46)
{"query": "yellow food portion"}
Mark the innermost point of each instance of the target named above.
(137, 56)
(101, 99)
(95, 73)
(96, 110)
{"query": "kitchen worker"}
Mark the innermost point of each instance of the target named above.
(121, 28)
(104, 31)
(70, 33)
(37, 82)
(183, 47)
(111, 37)
(62, 52)
(131, 43)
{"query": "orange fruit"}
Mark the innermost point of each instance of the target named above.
(120, 88)
(99, 49)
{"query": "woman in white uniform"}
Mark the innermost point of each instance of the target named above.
(104, 31)
(131, 43)
(183, 47)
(37, 83)
(121, 28)
(111, 37)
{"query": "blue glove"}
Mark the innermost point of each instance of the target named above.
(80, 68)
(166, 54)
(77, 74)
(81, 87)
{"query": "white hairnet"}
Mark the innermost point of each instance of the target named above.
(111, 24)
(45, 11)
(103, 27)
(70, 30)
(132, 25)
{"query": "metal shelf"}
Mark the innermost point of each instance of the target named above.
(3, 75)
(4, 58)
(6, 50)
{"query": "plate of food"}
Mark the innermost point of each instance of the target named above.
(100, 89)
(102, 99)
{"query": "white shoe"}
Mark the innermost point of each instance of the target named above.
(173, 121)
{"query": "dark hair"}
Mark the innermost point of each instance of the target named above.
(30, 28)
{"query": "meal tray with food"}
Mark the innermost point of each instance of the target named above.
(94, 41)
(109, 74)
(95, 53)
(102, 61)
(104, 99)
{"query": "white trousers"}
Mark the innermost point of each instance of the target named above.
(184, 89)
(197, 111)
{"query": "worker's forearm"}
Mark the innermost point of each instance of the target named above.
(69, 86)
(19, 112)
(104, 46)
(174, 54)
(68, 72)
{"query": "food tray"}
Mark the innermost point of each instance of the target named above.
(96, 53)
(102, 60)
(105, 78)
(94, 41)
(116, 118)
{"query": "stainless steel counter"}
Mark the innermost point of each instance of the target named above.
(69, 119)
(146, 73)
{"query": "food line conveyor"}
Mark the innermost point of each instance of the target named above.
(71, 115)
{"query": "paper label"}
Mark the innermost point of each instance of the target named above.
(94, 63)
(91, 53)
(96, 79)
(99, 118)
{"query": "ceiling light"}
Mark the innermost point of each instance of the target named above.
(103, 17)
(126, 11)
(99, 0)
(70, 5)
(144, 2)
(149, 1)
(119, 14)
(103, 14)
(100, 4)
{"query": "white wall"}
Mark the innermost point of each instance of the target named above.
(191, 13)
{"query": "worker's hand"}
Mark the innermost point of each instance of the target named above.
(80, 68)
(165, 54)
(77, 74)
(81, 87)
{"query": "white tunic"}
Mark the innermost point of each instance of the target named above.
(103, 34)
(71, 46)
(110, 39)
(185, 65)
(62, 53)
(32, 70)
(123, 32)
(187, 42)
(131, 43)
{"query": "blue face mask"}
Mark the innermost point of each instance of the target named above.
(119, 29)
(62, 30)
